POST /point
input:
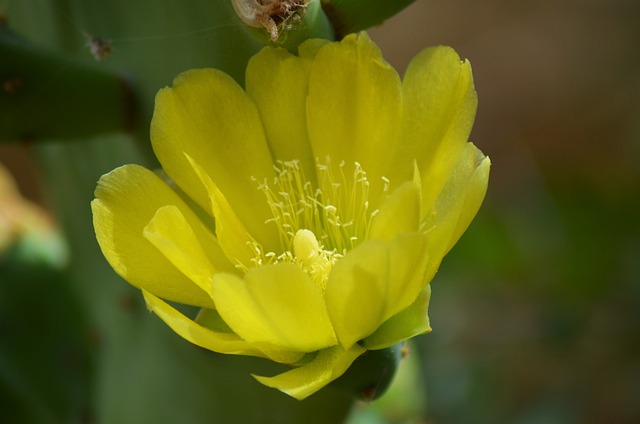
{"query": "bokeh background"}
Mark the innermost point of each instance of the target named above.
(536, 311)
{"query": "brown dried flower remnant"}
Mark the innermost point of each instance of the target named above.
(272, 15)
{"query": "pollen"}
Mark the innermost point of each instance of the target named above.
(318, 222)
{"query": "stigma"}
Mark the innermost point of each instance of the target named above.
(312, 258)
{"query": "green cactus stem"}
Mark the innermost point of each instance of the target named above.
(45, 95)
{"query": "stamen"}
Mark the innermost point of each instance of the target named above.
(317, 224)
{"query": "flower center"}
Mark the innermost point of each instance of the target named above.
(317, 223)
(313, 259)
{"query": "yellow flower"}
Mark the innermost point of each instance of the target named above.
(306, 215)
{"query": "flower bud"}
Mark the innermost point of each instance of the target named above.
(371, 374)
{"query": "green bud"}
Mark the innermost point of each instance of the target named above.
(349, 16)
(371, 374)
(46, 95)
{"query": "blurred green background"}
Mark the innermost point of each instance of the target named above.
(536, 311)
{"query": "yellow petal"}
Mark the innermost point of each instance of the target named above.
(408, 323)
(233, 237)
(207, 116)
(476, 189)
(127, 198)
(356, 291)
(172, 235)
(200, 336)
(374, 282)
(310, 48)
(411, 268)
(275, 305)
(439, 109)
(277, 82)
(211, 319)
(400, 213)
(328, 365)
(354, 107)
(459, 200)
